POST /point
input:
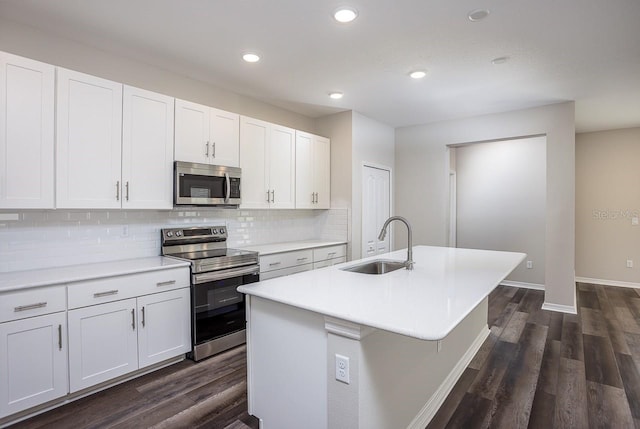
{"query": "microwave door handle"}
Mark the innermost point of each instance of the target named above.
(228, 191)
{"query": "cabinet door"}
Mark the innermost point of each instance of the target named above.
(192, 132)
(26, 133)
(88, 144)
(147, 150)
(282, 171)
(322, 171)
(305, 192)
(33, 353)
(103, 343)
(224, 138)
(254, 138)
(164, 328)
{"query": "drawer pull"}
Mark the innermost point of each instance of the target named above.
(167, 283)
(302, 259)
(274, 263)
(331, 253)
(107, 293)
(29, 307)
(59, 337)
(133, 319)
(143, 318)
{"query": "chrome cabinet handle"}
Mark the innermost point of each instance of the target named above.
(273, 196)
(214, 150)
(59, 337)
(106, 293)
(167, 283)
(301, 259)
(207, 152)
(268, 193)
(133, 319)
(118, 190)
(143, 317)
(313, 197)
(29, 307)
(127, 186)
(331, 253)
(274, 264)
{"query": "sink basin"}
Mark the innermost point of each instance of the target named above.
(379, 266)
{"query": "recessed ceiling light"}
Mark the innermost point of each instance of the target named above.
(336, 95)
(251, 58)
(499, 60)
(418, 74)
(345, 14)
(478, 14)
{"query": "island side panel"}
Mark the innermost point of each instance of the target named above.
(287, 363)
(404, 380)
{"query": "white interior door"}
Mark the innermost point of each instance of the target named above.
(376, 208)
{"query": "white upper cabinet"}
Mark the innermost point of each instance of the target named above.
(206, 135)
(147, 150)
(26, 133)
(313, 165)
(89, 139)
(267, 159)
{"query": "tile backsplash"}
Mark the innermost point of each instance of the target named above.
(48, 238)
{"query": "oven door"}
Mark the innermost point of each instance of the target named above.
(218, 308)
(206, 185)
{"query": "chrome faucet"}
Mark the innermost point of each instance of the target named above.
(408, 264)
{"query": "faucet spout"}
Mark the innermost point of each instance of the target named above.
(383, 232)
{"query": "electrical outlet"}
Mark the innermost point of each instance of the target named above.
(342, 368)
(529, 264)
(634, 220)
(629, 263)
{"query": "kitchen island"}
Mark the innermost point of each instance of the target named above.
(399, 341)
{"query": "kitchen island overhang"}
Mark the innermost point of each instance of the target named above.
(408, 336)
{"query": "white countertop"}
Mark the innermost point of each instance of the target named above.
(425, 303)
(268, 249)
(50, 276)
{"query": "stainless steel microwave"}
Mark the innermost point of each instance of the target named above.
(206, 185)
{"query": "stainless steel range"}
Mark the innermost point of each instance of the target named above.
(217, 308)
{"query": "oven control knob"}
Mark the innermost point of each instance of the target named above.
(169, 234)
(221, 230)
(215, 231)
(178, 233)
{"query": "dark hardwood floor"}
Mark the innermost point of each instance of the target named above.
(537, 369)
(210, 394)
(542, 369)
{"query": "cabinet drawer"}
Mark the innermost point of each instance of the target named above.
(329, 262)
(285, 272)
(329, 252)
(91, 292)
(32, 302)
(285, 260)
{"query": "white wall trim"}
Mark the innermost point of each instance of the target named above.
(605, 282)
(346, 329)
(560, 308)
(536, 286)
(430, 409)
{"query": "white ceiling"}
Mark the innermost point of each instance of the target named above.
(559, 50)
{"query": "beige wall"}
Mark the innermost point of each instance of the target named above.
(607, 198)
(422, 182)
(31, 43)
(501, 192)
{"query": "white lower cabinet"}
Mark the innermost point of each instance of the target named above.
(33, 357)
(103, 343)
(164, 330)
(113, 339)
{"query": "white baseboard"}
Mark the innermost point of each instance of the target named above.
(607, 282)
(570, 309)
(431, 407)
(536, 286)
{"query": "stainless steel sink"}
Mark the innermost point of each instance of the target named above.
(379, 266)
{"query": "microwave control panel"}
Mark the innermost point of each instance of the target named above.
(234, 184)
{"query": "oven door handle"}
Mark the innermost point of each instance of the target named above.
(225, 274)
